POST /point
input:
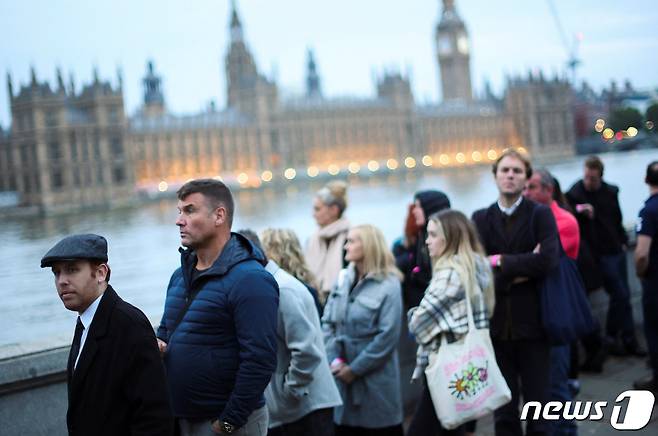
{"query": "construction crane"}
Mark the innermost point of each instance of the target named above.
(571, 47)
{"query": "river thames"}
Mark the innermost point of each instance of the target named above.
(143, 241)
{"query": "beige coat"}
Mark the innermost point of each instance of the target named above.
(324, 254)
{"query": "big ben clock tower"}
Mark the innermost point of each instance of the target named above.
(453, 54)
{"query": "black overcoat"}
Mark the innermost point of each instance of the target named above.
(604, 233)
(118, 386)
(517, 313)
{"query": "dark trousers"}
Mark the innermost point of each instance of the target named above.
(650, 309)
(317, 423)
(425, 421)
(560, 365)
(593, 342)
(615, 282)
(525, 364)
(344, 430)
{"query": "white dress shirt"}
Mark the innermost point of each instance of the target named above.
(510, 210)
(86, 318)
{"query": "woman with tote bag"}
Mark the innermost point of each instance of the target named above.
(462, 380)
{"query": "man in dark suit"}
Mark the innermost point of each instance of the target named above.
(521, 240)
(116, 378)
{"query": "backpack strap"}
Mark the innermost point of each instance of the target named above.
(181, 314)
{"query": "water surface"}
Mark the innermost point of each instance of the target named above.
(143, 241)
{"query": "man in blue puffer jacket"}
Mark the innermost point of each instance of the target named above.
(218, 330)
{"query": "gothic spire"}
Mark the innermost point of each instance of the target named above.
(312, 77)
(71, 83)
(33, 75)
(119, 78)
(449, 14)
(236, 24)
(60, 81)
(152, 86)
(10, 87)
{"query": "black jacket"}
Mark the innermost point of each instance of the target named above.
(604, 234)
(416, 266)
(517, 312)
(118, 386)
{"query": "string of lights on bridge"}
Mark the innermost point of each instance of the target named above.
(608, 134)
(245, 180)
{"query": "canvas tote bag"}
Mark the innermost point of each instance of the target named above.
(463, 377)
(565, 309)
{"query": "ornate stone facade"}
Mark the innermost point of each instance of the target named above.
(67, 150)
(260, 137)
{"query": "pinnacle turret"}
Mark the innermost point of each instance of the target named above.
(236, 24)
(10, 86)
(152, 86)
(313, 88)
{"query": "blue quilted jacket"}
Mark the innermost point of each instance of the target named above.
(222, 355)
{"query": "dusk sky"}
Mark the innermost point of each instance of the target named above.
(352, 40)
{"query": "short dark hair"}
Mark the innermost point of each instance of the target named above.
(216, 193)
(512, 152)
(652, 174)
(594, 163)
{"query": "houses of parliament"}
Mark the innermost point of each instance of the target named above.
(69, 149)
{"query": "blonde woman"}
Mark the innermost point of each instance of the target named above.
(459, 263)
(283, 247)
(324, 250)
(361, 325)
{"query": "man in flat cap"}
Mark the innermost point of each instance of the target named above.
(116, 380)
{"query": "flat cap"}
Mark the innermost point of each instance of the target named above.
(76, 247)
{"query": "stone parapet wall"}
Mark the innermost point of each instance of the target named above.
(33, 397)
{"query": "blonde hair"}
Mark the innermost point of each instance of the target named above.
(377, 258)
(283, 247)
(334, 193)
(462, 247)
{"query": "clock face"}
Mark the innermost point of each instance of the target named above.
(462, 44)
(444, 45)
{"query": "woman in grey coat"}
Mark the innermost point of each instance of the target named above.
(361, 326)
(301, 395)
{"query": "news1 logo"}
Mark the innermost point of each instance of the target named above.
(638, 410)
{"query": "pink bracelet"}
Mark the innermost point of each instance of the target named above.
(495, 260)
(337, 361)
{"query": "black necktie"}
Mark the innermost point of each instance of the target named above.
(75, 347)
